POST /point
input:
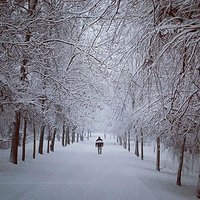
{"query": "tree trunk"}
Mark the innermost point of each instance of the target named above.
(82, 135)
(40, 149)
(32, 6)
(67, 136)
(142, 146)
(137, 147)
(24, 141)
(125, 140)
(158, 154)
(63, 136)
(129, 141)
(15, 139)
(198, 187)
(178, 180)
(48, 141)
(53, 140)
(88, 135)
(120, 140)
(77, 137)
(31, 9)
(73, 135)
(34, 141)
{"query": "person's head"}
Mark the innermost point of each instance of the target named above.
(99, 137)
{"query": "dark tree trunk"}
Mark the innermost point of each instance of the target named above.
(32, 6)
(24, 141)
(34, 141)
(120, 140)
(41, 142)
(198, 187)
(53, 140)
(15, 139)
(158, 154)
(48, 142)
(125, 140)
(31, 9)
(77, 137)
(142, 146)
(178, 180)
(129, 141)
(137, 147)
(74, 135)
(67, 136)
(63, 136)
(82, 136)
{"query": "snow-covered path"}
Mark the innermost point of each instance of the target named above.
(78, 173)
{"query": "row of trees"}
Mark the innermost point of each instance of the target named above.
(62, 61)
(158, 83)
(46, 82)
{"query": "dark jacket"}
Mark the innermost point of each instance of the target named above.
(99, 142)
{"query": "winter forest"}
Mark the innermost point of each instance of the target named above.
(130, 68)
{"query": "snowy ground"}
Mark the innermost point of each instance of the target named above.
(78, 173)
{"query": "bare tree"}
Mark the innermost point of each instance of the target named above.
(158, 153)
(15, 139)
(24, 140)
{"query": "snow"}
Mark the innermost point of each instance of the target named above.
(77, 172)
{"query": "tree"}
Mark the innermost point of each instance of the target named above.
(137, 147)
(53, 140)
(158, 154)
(15, 139)
(198, 187)
(178, 181)
(34, 141)
(24, 140)
(41, 142)
(142, 146)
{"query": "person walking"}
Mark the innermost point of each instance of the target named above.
(99, 145)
